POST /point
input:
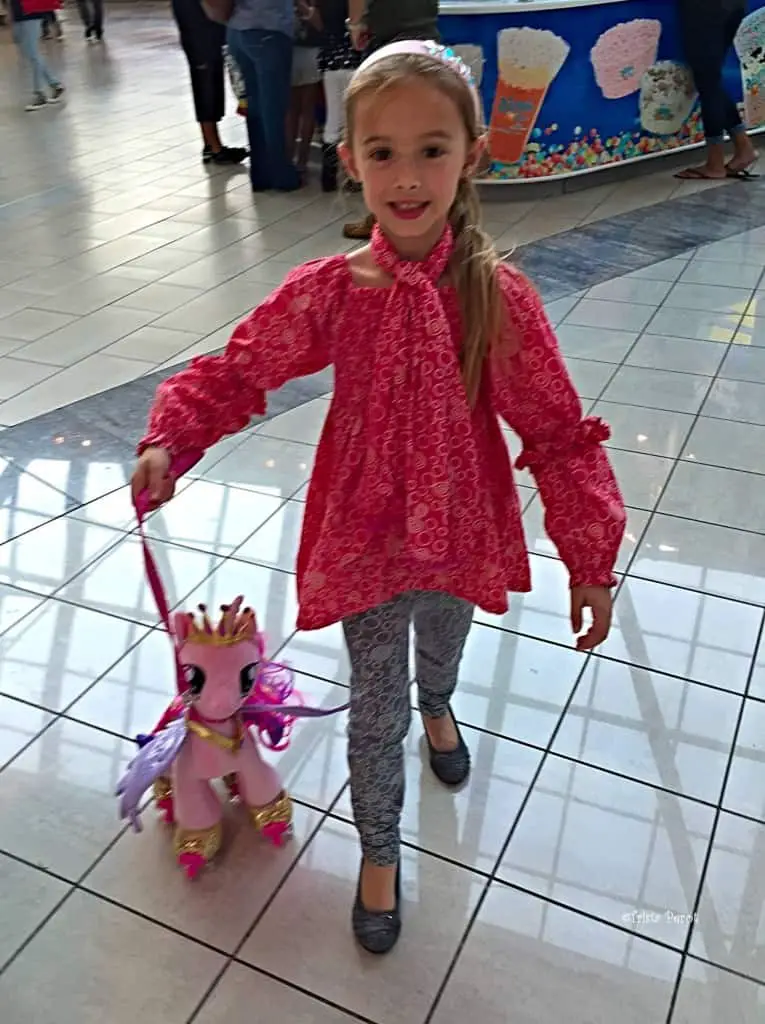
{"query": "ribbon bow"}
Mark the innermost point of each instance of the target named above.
(418, 406)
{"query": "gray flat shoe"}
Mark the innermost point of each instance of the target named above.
(377, 931)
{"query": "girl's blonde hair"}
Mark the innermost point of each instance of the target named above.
(474, 265)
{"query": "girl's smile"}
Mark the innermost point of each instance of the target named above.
(409, 149)
(408, 210)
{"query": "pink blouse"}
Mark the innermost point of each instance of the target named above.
(411, 489)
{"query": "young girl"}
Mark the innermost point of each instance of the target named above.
(412, 514)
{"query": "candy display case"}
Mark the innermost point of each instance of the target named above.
(573, 86)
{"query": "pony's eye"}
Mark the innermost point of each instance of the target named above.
(247, 677)
(195, 678)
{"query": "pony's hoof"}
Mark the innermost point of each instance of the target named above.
(278, 832)
(192, 864)
(166, 811)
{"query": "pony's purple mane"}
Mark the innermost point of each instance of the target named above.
(275, 685)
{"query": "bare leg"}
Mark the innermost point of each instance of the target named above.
(307, 125)
(744, 153)
(293, 123)
(713, 169)
(210, 136)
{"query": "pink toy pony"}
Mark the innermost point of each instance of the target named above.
(226, 689)
(207, 733)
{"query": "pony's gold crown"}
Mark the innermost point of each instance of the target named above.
(233, 627)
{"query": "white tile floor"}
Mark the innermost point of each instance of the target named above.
(606, 860)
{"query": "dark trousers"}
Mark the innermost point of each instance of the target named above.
(202, 41)
(708, 28)
(92, 15)
(265, 61)
(377, 43)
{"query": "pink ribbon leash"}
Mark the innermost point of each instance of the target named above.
(143, 505)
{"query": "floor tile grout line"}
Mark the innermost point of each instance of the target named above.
(56, 715)
(726, 969)
(53, 594)
(675, 462)
(560, 755)
(713, 831)
(314, 997)
(494, 876)
(310, 203)
(35, 931)
(500, 857)
(81, 886)
(159, 316)
(150, 628)
(234, 955)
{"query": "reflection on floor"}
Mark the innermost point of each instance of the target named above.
(606, 861)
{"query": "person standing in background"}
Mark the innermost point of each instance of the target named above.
(338, 59)
(26, 35)
(92, 16)
(203, 41)
(708, 29)
(50, 21)
(374, 24)
(260, 41)
(306, 77)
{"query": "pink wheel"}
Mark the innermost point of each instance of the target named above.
(192, 864)
(278, 832)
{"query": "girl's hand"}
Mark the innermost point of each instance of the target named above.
(600, 602)
(152, 474)
(359, 37)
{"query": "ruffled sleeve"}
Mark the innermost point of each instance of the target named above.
(532, 391)
(284, 338)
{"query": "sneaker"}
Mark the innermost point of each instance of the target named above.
(361, 230)
(226, 157)
(38, 102)
(89, 33)
(57, 92)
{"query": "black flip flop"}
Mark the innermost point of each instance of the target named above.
(744, 174)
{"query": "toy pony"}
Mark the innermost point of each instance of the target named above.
(229, 695)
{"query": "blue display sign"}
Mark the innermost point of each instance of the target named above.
(569, 90)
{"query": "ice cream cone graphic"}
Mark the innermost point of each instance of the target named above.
(750, 47)
(472, 55)
(667, 96)
(529, 60)
(623, 54)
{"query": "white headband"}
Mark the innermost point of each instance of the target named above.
(427, 48)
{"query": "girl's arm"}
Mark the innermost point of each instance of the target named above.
(532, 391)
(214, 396)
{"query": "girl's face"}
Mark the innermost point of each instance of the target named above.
(409, 150)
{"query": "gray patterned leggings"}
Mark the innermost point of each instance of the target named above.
(380, 714)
